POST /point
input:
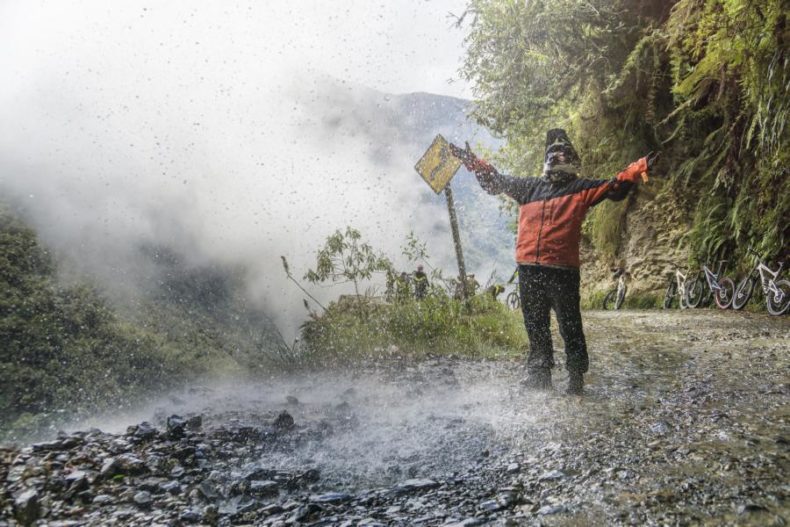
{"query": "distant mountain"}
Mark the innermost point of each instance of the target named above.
(486, 238)
(404, 126)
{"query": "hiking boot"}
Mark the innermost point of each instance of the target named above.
(538, 380)
(575, 383)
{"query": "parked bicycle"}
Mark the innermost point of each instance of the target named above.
(676, 288)
(513, 300)
(616, 296)
(720, 288)
(777, 292)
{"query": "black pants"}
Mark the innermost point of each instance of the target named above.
(543, 289)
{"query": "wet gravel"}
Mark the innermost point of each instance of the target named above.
(685, 422)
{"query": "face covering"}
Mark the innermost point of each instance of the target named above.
(557, 170)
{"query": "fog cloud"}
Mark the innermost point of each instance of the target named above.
(223, 131)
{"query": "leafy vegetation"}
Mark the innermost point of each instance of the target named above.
(346, 258)
(66, 351)
(704, 81)
(369, 326)
(437, 325)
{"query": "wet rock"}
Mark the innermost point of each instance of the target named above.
(156, 464)
(264, 488)
(195, 423)
(109, 468)
(254, 472)
(237, 505)
(142, 432)
(303, 512)
(210, 514)
(190, 516)
(152, 485)
(85, 497)
(490, 506)
(331, 497)
(67, 442)
(745, 508)
(177, 471)
(271, 510)
(302, 480)
(176, 426)
(548, 510)
(47, 446)
(76, 481)
(660, 428)
(240, 434)
(130, 464)
(370, 522)
(414, 485)
(27, 508)
(103, 499)
(143, 499)
(501, 502)
(552, 475)
(170, 487)
(513, 468)
(469, 522)
(185, 454)
(15, 474)
(284, 421)
(208, 491)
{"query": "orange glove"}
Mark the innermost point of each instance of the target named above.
(635, 172)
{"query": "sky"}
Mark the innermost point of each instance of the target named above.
(197, 124)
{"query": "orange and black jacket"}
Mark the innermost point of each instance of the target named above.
(551, 214)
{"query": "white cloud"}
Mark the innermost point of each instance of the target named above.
(199, 125)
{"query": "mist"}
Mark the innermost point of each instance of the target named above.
(222, 132)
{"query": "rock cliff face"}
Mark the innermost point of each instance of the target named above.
(650, 246)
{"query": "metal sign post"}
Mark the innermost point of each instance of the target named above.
(437, 167)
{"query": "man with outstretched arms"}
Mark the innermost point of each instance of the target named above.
(551, 211)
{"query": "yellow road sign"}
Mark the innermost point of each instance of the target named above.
(438, 165)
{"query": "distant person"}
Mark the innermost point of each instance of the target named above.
(552, 208)
(420, 283)
(471, 287)
(402, 287)
(495, 290)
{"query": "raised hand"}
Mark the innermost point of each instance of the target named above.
(464, 154)
(470, 160)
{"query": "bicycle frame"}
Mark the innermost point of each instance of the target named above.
(768, 283)
(713, 279)
(620, 283)
(681, 281)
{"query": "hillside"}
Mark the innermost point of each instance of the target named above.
(69, 352)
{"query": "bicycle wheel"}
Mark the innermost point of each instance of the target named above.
(618, 303)
(694, 293)
(512, 300)
(609, 299)
(669, 296)
(725, 295)
(743, 293)
(778, 302)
